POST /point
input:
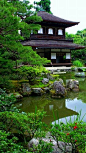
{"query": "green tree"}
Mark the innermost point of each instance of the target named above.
(13, 16)
(78, 38)
(43, 5)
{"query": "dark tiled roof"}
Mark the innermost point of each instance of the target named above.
(51, 18)
(52, 44)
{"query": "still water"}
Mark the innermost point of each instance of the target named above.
(61, 108)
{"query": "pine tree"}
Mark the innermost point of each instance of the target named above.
(12, 19)
(11, 48)
(43, 5)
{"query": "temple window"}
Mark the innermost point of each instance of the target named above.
(60, 32)
(50, 31)
(68, 56)
(40, 31)
(19, 32)
(53, 55)
(31, 31)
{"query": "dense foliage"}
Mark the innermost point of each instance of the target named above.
(13, 16)
(78, 38)
(17, 128)
(43, 5)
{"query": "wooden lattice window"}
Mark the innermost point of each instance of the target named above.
(50, 31)
(60, 32)
(40, 31)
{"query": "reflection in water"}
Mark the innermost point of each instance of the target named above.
(57, 108)
(79, 105)
(53, 107)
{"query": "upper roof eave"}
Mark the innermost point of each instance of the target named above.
(54, 19)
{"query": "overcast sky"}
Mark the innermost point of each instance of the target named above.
(74, 10)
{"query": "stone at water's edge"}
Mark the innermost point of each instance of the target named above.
(56, 148)
(26, 90)
(37, 91)
(16, 95)
(72, 85)
(58, 89)
(80, 74)
(46, 89)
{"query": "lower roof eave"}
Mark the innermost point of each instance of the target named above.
(52, 44)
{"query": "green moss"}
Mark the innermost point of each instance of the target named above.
(52, 92)
(24, 81)
(41, 85)
(55, 76)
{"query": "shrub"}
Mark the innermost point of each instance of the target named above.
(30, 73)
(8, 143)
(21, 124)
(73, 133)
(6, 101)
(78, 63)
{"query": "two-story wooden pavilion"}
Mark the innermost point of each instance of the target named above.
(50, 42)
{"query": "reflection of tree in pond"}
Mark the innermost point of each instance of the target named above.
(57, 109)
(82, 96)
(28, 104)
(47, 104)
(72, 95)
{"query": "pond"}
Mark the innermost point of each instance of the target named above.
(58, 108)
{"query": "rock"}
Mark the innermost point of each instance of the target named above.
(50, 85)
(61, 81)
(56, 148)
(16, 95)
(58, 89)
(51, 77)
(26, 90)
(46, 90)
(80, 74)
(45, 80)
(33, 142)
(37, 91)
(72, 85)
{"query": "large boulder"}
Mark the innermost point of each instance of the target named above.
(58, 89)
(26, 90)
(57, 148)
(72, 85)
(45, 80)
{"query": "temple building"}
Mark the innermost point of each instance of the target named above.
(50, 41)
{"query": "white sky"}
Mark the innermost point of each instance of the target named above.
(73, 10)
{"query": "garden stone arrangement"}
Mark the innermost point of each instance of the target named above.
(56, 88)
